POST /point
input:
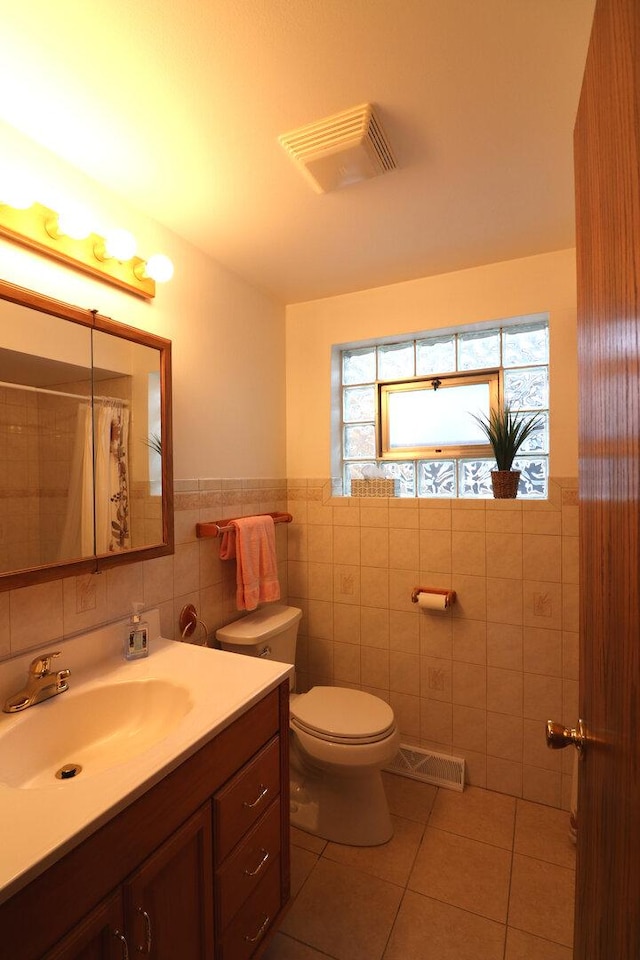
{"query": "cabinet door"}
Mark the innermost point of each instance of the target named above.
(169, 900)
(98, 937)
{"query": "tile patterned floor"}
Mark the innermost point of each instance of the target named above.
(465, 877)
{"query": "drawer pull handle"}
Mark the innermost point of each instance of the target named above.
(147, 934)
(265, 857)
(263, 927)
(254, 803)
(123, 941)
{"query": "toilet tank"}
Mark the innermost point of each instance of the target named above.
(269, 632)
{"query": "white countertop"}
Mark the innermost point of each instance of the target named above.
(39, 824)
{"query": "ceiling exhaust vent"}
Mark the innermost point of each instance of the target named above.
(341, 150)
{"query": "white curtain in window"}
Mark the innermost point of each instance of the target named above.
(77, 533)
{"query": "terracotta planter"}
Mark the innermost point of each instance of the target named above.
(505, 484)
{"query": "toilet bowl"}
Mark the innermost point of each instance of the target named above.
(339, 739)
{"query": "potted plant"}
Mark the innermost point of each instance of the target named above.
(506, 431)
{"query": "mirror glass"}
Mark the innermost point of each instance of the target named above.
(85, 457)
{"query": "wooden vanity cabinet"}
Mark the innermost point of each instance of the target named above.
(197, 868)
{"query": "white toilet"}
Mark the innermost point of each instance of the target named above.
(340, 739)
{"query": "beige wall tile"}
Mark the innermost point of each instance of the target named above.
(468, 553)
(211, 566)
(471, 602)
(186, 568)
(542, 557)
(542, 602)
(505, 776)
(504, 555)
(406, 709)
(475, 766)
(435, 518)
(184, 525)
(374, 514)
(346, 662)
(470, 729)
(504, 737)
(541, 786)
(297, 540)
(346, 623)
(504, 645)
(435, 678)
(374, 666)
(124, 587)
(404, 675)
(436, 634)
(374, 587)
(571, 607)
(469, 684)
(85, 601)
(468, 515)
(319, 543)
(504, 601)
(374, 546)
(321, 581)
(320, 619)
(537, 518)
(404, 514)
(570, 655)
(374, 627)
(401, 585)
(505, 691)
(570, 560)
(470, 641)
(320, 659)
(346, 583)
(404, 548)
(543, 651)
(570, 521)
(569, 702)
(503, 519)
(345, 514)
(298, 578)
(436, 721)
(404, 631)
(435, 550)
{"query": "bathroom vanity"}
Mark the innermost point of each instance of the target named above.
(196, 865)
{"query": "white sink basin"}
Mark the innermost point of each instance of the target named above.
(95, 729)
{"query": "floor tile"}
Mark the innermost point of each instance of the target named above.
(306, 840)
(344, 912)
(463, 872)
(302, 863)
(532, 908)
(284, 948)
(543, 832)
(476, 813)
(523, 946)
(429, 930)
(389, 861)
(409, 798)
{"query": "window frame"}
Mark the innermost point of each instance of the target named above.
(492, 377)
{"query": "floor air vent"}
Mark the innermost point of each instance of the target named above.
(437, 768)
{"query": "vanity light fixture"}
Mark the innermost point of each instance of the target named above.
(63, 237)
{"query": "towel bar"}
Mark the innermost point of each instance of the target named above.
(216, 528)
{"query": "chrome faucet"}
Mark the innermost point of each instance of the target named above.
(41, 684)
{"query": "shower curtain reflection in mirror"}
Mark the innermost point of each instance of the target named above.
(98, 501)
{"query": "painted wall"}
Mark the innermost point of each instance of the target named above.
(518, 287)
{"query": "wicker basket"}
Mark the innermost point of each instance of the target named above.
(505, 484)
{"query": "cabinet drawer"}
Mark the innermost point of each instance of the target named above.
(245, 798)
(249, 927)
(243, 869)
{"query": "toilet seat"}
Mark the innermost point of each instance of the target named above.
(342, 715)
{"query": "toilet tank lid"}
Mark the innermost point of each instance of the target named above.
(259, 625)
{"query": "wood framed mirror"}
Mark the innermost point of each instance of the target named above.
(86, 472)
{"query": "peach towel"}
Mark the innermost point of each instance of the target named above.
(253, 544)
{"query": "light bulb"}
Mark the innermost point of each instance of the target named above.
(159, 268)
(74, 223)
(120, 244)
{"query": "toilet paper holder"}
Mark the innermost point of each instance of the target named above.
(448, 595)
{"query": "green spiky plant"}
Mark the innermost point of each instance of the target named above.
(506, 431)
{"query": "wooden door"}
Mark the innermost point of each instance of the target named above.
(169, 900)
(100, 936)
(607, 162)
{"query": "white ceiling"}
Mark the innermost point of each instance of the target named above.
(177, 105)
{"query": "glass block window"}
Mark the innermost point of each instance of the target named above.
(515, 354)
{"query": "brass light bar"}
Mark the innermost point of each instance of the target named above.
(29, 228)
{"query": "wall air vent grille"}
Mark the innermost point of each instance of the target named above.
(341, 150)
(437, 768)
